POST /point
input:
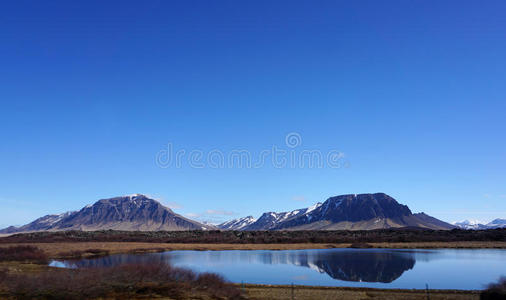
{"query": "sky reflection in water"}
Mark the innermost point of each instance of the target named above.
(382, 268)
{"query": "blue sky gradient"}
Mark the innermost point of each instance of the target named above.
(412, 92)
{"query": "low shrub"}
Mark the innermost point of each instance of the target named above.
(71, 254)
(23, 253)
(495, 291)
(360, 245)
(83, 253)
(3, 275)
(123, 281)
(97, 251)
(149, 250)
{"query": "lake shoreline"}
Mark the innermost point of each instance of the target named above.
(388, 266)
(56, 249)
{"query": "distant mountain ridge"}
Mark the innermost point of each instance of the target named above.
(40, 224)
(476, 225)
(140, 213)
(237, 224)
(270, 220)
(134, 212)
(349, 212)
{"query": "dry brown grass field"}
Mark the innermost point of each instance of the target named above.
(307, 292)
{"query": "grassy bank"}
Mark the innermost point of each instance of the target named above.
(150, 282)
(257, 291)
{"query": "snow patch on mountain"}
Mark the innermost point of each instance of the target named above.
(477, 225)
(237, 224)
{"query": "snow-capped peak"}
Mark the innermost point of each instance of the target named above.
(237, 224)
(475, 224)
(313, 207)
(468, 222)
(132, 196)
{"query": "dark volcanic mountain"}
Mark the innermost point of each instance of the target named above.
(351, 212)
(135, 212)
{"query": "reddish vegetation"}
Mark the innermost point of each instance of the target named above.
(23, 253)
(147, 279)
(360, 245)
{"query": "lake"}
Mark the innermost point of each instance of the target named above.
(378, 268)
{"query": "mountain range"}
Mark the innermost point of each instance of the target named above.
(139, 212)
(476, 225)
(345, 212)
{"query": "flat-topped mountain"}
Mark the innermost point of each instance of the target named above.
(134, 212)
(349, 212)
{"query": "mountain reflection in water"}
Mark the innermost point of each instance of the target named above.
(356, 265)
(344, 264)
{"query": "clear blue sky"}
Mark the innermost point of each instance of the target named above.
(412, 92)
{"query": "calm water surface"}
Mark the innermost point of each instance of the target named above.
(380, 268)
